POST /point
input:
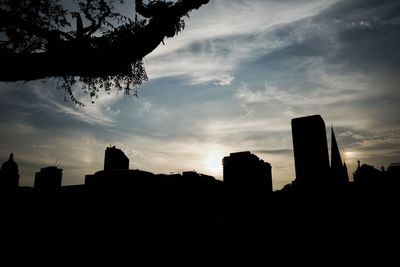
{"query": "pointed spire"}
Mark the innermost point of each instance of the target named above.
(345, 173)
(336, 159)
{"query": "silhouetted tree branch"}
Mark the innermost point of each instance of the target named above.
(41, 39)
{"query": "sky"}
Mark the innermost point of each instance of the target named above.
(231, 81)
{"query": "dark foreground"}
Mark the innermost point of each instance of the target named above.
(188, 228)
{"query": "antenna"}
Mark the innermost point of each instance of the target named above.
(57, 163)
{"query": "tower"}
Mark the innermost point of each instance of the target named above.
(310, 149)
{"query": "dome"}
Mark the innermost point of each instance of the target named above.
(10, 167)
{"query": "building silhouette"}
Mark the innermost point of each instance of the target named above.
(193, 175)
(367, 177)
(48, 179)
(118, 180)
(115, 159)
(9, 175)
(310, 149)
(116, 175)
(245, 171)
(394, 170)
(339, 172)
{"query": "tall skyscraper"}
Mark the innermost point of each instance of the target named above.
(115, 159)
(244, 170)
(310, 148)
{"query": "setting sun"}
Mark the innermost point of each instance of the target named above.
(213, 162)
(349, 155)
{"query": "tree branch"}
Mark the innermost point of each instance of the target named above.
(95, 24)
(100, 20)
(9, 19)
(182, 7)
(142, 9)
(88, 16)
(113, 54)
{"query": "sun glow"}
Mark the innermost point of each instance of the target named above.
(349, 155)
(213, 162)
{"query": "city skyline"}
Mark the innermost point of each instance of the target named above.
(231, 81)
(314, 167)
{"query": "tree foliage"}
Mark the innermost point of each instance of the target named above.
(87, 41)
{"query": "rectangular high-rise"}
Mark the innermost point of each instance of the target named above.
(310, 149)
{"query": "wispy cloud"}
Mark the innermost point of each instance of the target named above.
(101, 113)
(43, 97)
(222, 35)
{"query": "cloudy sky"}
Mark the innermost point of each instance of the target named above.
(231, 81)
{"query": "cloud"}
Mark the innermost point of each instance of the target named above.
(29, 99)
(223, 34)
(269, 94)
(362, 29)
(343, 58)
(224, 81)
(275, 151)
(146, 108)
